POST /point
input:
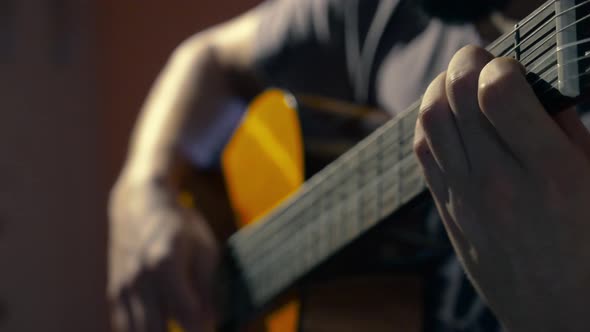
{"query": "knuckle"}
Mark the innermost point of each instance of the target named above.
(435, 90)
(433, 103)
(421, 148)
(462, 82)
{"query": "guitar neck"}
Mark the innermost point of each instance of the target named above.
(333, 208)
(380, 174)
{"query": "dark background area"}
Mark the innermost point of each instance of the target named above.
(73, 75)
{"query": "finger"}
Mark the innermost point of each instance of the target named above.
(119, 318)
(153, 308)
(131, 311)
(510, 105)
(458, 239)
(438, 188)
(203, 260)
(432, 172)
(138, 311)
(179, 297)
(440, 131)
(481, 143)
(569, 121)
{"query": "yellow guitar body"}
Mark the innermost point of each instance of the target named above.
(262, 165)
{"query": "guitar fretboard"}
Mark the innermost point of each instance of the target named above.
(381, 174)
(333, 208)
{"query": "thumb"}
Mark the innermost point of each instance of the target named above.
(569, 121)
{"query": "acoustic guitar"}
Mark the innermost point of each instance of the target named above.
(290, 227)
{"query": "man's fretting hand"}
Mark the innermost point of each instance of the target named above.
(512, 185)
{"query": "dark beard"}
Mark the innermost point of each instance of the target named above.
(460, 11)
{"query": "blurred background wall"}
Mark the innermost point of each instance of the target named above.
(73, 74)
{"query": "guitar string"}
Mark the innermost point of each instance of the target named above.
(408, 152)
(276, 256)
(526, 20)
(405, 155)
(569, 61)
(538, 45)
(568, 45)
(347, 159)
(553, 34)
(260, 273)
(304, 263)
(349, 156)
(562, 29)
(372, 157)
(532, 34)
(522, 24)
(541, 43)
(538, 29)
(548, 57)
(554, 68)
(306, 267)
(549, 90)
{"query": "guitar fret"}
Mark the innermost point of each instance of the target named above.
(532, 48)
(530, 28)
(545, 59)
(543, 25)
(517, 42)
(500, 46)
(379, 175)
(400, 155)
